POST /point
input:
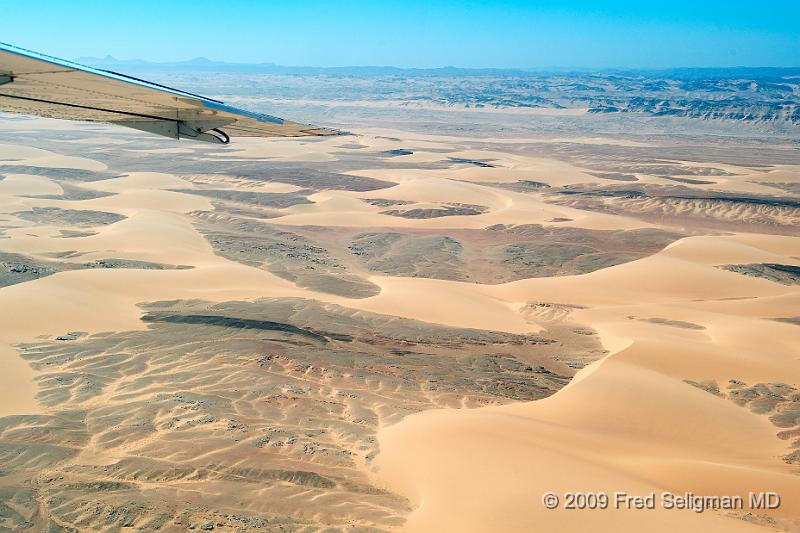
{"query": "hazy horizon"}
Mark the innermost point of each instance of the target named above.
(199, 60)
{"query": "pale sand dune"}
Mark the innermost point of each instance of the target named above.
(112, 135)
(623, 428)
(514, 167)
(775, 244)
(139, 181)
(662, 277)
(444, 302)
(25, 185)
(17, 386)
(384, 139)
(282, 149)
(15, 123)
(168, 238)
(105, 299)
(485, 470)
(505, 207)
(628, 422)
(419, 157)
(782, 174)
(601, 141)
(148, 235)
(510, 168)
(747, 180)
(765, 306)
(666, 280)
(15, 153)
(63, 161)
(138, 199)
(175, 150)
(623, 416)
(436, 189)
(24, 155)
(429, 140)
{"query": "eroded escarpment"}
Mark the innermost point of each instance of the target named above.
(276, 401)
(681, 205)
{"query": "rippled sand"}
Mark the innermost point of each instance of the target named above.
(623, 378)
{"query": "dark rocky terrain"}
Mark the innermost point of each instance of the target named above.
(276, 401)
(17, 268)
(500, 253)
(284, 253)
(785, 274)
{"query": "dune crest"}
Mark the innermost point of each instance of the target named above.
(397, 330)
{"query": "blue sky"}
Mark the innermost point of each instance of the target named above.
(414, 33)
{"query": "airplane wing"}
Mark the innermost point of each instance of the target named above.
(36, 84)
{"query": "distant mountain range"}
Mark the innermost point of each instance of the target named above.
(208, 65)
(742, 94)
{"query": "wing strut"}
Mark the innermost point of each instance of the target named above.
(180, 129)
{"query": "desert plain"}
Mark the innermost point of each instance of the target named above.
(422, 325)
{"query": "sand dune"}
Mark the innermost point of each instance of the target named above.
(17, 385)
(420, 403)
(631, 422)
(505, 207)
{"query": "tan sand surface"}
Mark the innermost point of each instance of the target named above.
(15, 153)
(505, 207)
(17, 387)
(23, 185)
(627, 422)
(282, 149)
(509, 168)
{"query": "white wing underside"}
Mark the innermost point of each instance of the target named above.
(35, 84)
